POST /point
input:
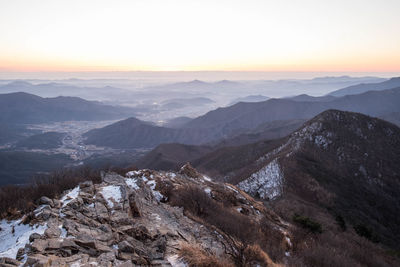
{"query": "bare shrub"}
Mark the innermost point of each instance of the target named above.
(271, 241)
(255, 256)
(193, 200)
(16, 199)
(344, 249)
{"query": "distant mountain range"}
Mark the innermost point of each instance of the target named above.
(176, 103)
(249, 98)
(307, 98)
(250, 115)
(241, 118)
(365, 87)
(54, 89)
(24, 108)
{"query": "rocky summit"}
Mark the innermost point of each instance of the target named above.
(139, 219)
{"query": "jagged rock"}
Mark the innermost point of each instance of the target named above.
(37, 260)
(76, 203)
(189, 171)
(39, 245)
(86, 242)
(20, 254)
(140, 232)
(34, 236)
(113, 178)
(57, 203)
(107, 256)
(124, 246)
(52, 232)
(54, 244)
(5, 261)
(46, 201)
(133, 203)
(126, 264)
(44, 214)
(101, 212)
(87, 187)
(160, 263)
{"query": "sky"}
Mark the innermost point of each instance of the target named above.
(192, 35)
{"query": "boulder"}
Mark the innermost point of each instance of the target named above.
(124, 246)
(37, 260)
(52, 232)
(113, 178)
(39, 245)
(86, 187)
(34, 236)
(46, 201)
(5, 261)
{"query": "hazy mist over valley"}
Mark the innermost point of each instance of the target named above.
(199, 133)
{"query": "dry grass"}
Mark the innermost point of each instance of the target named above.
(255, 256)
(243, 235)
(195, 256)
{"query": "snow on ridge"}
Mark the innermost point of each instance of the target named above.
(296, 139)
(267, 182)
(111, 192)
(272, 153)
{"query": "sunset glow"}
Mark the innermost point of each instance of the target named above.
(311, 35)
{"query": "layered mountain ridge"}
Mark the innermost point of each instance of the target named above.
(244, 118)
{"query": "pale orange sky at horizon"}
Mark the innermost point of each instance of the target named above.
(171, 35)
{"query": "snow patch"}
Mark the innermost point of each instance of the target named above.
(155, 193)
(208, 191)
(111, 192)
(171, 174)
(175, 261)
(131, 182)
(14, 235)
(321, 141)
(63, 232)
(267, 182)
(70, 196)
(206, 178)
(132, 173)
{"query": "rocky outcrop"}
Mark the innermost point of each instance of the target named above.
(124, 221)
